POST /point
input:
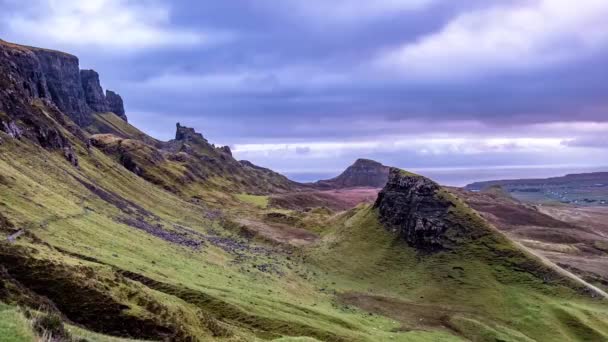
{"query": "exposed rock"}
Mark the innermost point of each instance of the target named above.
(363, 173)
(11, 129)
(115, 104)
(70, 155)
(422, 213)
(188, 135)
(64, 84)
(54, 78)
(92, 91)
(226, 150)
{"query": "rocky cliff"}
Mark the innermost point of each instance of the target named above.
(363, 173)
(55, 78)
(115, 104)
(426, 215)
(62, 77)
(27, 110)
(92, 91)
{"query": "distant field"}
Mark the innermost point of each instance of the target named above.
(587, 189)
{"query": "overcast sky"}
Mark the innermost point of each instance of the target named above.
(310, 85)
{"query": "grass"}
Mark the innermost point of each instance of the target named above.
(104, 123)
(14, 326)
(479, 294)
(257, 200)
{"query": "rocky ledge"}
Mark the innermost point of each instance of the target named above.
(424, 214)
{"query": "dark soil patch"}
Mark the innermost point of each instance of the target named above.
(6, 225)
(282, 218)
(280, 233)
(412, 316)
(338, 200)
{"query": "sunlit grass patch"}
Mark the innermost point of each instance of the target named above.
(14, 326)
(260, 201)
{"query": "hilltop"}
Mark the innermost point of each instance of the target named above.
(108, 234)
(363, 173)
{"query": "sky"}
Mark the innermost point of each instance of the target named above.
(305, 87)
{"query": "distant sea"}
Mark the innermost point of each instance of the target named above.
(463, 176)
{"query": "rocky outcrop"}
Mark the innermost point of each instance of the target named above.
(115, 104)
(92, 91)
(64, 85)
(25, 89)
(188, 135)
(363, 173)
(54, 78)
(225, 150)
(424, 214)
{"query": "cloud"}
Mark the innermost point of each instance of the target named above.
(600, 141)
(108, 24)
(532, 35)
(247, 80)
(418, 145)
(339, 12)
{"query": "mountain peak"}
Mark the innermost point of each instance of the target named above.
(363, 162)
(362, 173)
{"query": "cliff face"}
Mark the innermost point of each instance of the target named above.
(55, 78)
(92, 91)
(115, 104)
(63, 81)
(363, 173)
(425, 215)
(27, 109)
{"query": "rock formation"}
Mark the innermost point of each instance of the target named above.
(55, 78)
(115, 104)
(92, 91)
(424, 214)
(63, 82)
(226, 150)
(188, 135)
(29, 82)
(363, 173)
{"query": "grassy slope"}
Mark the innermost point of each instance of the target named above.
(42, 196)
(14, 327)
(481, 299)
(112, 123)
(259, 201)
